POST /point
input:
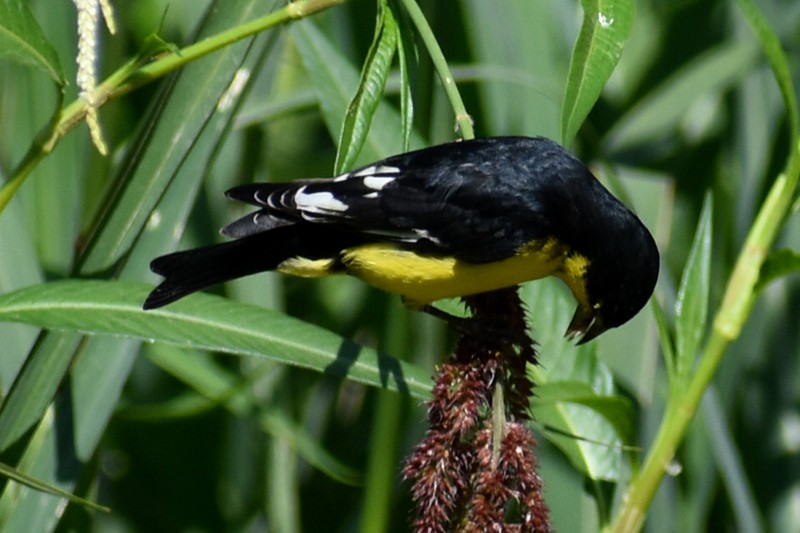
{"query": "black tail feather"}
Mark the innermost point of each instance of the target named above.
(256, 193)
(247, 193)
(193, 270)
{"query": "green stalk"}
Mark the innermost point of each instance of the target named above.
(135, 74)
(731, 316)
(463, 119)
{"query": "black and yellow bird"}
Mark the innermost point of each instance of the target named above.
(451, 220)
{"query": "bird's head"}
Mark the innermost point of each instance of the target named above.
(619, 281)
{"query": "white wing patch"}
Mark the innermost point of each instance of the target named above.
(376, 183)
(425, 234)
(375, 170)
(318, 202)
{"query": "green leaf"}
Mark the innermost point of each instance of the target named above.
(691, 305)
(617, 410)
(589, 429)
(24, 270)
(47, 459)
(771, 45)
(605, 29)
(24, 479)
(665, 339)
(23, 41)
(370, 90)
(659, 113)
(405, 45)
(778, 264)
(206, 322)
(178, 137)
(521, 85)
(217, 385)
(35, 385)
(334, 79)
(566, 373)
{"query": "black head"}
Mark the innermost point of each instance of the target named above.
(623, 260)
(621, 277)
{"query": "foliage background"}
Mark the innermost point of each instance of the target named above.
(192, 440)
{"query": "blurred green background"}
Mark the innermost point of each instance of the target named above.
(182, 440)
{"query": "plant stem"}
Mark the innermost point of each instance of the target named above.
(463, 119)
(740, 293)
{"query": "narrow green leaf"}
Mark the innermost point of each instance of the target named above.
(665, 338)
(334, 80)
(102, 368)
(282, 479)
(691, 305)
(405, 47)
(181, 406)
(659, 112)
(36, 384)
(370, 90)
(384, 451)
(208, 323)
(217, 386)
(24, 270)
(605, 29)
(23, 41)
(778, 264)
(278, 423)
(24, 479)
(731, 464)
(47, 458)
(771, 45)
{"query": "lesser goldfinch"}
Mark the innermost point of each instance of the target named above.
(451, 220)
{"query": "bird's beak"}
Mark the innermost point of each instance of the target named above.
(585, 325)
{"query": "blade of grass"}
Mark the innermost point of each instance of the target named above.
(47, 458)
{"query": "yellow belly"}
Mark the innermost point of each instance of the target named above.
(424, 279)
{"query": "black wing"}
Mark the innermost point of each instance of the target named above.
(477, 200)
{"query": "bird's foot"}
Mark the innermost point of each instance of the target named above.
(480, 329)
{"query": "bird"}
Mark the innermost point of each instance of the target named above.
(450, 220)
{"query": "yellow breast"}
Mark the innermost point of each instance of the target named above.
(424, 279)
